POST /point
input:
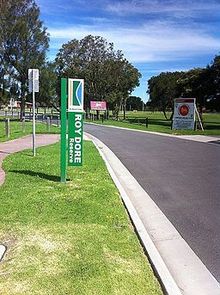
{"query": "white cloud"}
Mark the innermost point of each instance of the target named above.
(179, 8)
(160, 35)
(155, 41)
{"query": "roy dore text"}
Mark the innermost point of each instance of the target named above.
(75, 148)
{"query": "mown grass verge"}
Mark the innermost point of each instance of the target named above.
(17, 130)
(73, 238)
(158, 123)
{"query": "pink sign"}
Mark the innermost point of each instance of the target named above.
(98, 105)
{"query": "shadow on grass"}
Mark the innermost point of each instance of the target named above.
(141, 121)
(38, 174)
(211, 127)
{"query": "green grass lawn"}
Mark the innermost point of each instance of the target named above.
(158, 123)
(151, 115)
(16, 129)
(73, 238)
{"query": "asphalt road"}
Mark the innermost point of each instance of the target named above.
(182, 177)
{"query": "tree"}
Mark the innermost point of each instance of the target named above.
(203, 84)
(163, 89)
(48, 82)
(134, 103)
(23, 42)
(200, 83)
(107, 74)
(193, 84)
(213, 96)
(85, 59)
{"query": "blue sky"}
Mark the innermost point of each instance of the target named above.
(154, 35)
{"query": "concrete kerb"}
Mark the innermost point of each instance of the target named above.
(160, 267)
(178, 267)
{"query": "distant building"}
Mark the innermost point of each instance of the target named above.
(16, 104)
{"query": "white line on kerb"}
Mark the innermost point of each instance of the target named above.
(2, 251)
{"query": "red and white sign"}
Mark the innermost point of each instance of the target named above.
(98, 105)
(184, 113)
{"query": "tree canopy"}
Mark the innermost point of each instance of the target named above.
(23, 43)
(201, 83)
(107, 74)
(134, 103)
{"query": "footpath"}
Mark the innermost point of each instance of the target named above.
(20, 144)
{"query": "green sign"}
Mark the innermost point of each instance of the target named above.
(75, 138)
(72, 91)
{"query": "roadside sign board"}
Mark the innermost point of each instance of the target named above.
(75, 121)
(98, 105)
(75, 138)
(72, 99)
(33, 80)
(33, 74)
(184, 113)
(33, 86)
(75, 94)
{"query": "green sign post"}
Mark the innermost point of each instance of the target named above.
(63, 130)
(75, 123)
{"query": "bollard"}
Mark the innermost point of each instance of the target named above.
(102, 117)
(48, 124)
(23, 124)
(146, 122)
(7, 127)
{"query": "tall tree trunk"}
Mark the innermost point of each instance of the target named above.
(55, 107)
(117, 109)
(120, 108)
(164, 112)
(171, 117)
(22, 108)
(124, 108)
